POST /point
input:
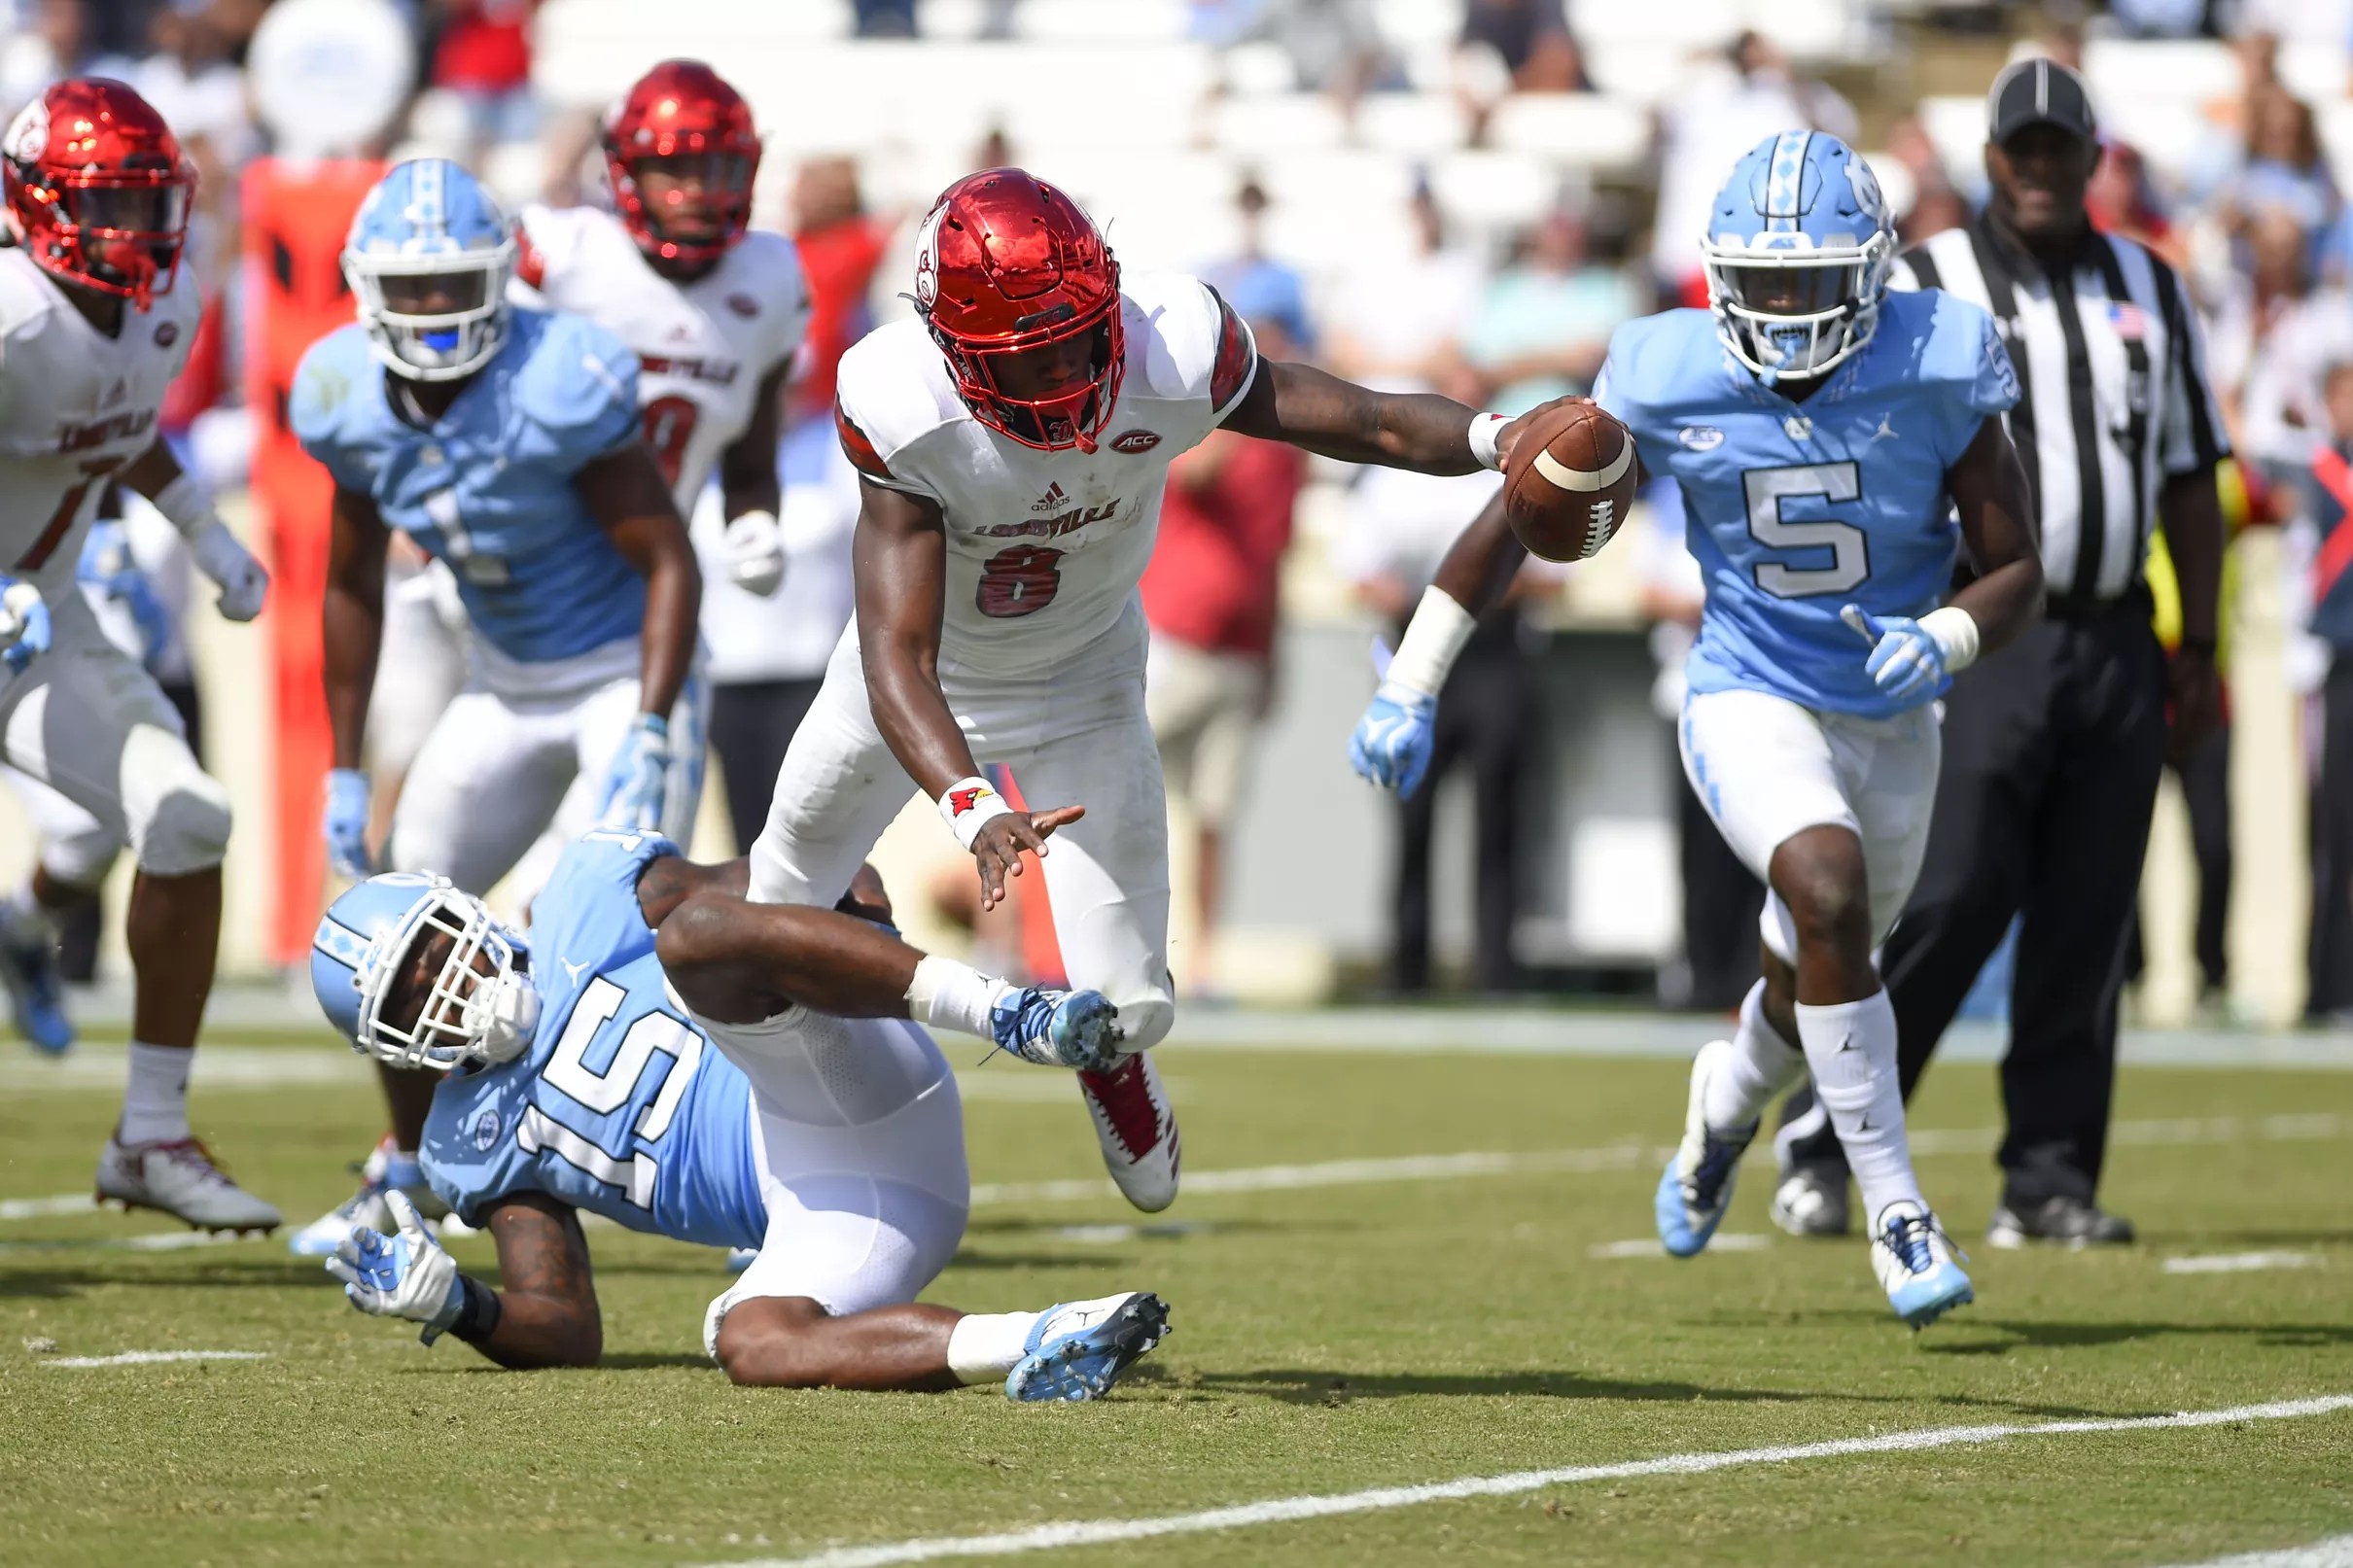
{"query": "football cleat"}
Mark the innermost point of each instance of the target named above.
(36, 995)
(179, 1178)
(384, 1171)
(1137, 1128)
(1916, 1265)
(2062, 1221)
(1078, 1350)
(1695, 1188)
(1059, 1028)
(1810, 1202)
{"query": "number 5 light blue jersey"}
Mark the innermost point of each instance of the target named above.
(621, 1106)
(1797, 508)
(489, 487)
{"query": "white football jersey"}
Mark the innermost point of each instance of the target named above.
(703, 347)
(1045, 549)
(75, 405)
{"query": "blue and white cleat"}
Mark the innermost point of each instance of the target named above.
(36, 995)
(1696, 1187)
(1078, 1350)
(1059, 1028)
(1916, 1265)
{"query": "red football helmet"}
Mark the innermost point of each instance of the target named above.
(97, 189)
(1022, 296)
(686, 133)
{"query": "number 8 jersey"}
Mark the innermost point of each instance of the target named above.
(1796, 509)
(1045, 547)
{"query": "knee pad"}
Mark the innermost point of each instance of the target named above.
(1145, 1017)
(80, 858)
(189, 830)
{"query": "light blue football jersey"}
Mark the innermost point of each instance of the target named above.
(621, 1106)
(489, 489)
(1797, 508)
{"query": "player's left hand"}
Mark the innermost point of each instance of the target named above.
(242, 582)
(23, 623)
(634, 779)
(406, 1274)
(1907, 661)
(754, 547)
(1395, 736)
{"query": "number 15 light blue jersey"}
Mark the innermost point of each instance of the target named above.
(621, 1106)
(1796, 509)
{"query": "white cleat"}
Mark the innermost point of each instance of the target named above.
(1137, 1128)
(179, 1178)
(1916, 1265)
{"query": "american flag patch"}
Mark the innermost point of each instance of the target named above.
(2130, 322)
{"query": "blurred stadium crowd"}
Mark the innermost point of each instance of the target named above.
(1467, 194)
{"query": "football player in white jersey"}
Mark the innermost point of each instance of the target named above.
(92, 329)
(1013, 441)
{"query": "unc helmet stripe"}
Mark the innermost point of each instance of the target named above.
(1785, 180)
(341, 943)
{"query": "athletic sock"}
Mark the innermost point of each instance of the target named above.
(24, 917)
(1761, 1065)
(1852, 1049)
(949, 995)
(984, 1346)
(154, 1105)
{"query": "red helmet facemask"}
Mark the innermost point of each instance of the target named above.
(1022, 296)
(681, 153)
(97, 189)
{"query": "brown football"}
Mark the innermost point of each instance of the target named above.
(1570, 481)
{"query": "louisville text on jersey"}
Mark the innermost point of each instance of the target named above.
(1069, 522)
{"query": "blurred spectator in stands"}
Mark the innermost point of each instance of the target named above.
(201, 92)
(1335, 46)
(2163, 18)
(2284, 167)
(1211, 593)
(1936, 205)
(1531, 40)
(2123, 200)
(1275, 288)
(2329, 501)
(2324, 22)
(1543, 325)
(482, 54)
(840, 246)
(885, 18)
(1400, 526)
(1396, 319)
(1722, 898)
(2274, 336)
(57, 38)
(1730, 103)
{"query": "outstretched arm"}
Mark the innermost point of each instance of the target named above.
(1317, 411)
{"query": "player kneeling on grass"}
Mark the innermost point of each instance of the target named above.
(824, 1129)
(1825, 432)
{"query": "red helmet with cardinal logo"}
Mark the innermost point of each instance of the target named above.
(1022, 296)
(684, 122)
(97, 189)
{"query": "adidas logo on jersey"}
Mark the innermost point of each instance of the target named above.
(1052, 500)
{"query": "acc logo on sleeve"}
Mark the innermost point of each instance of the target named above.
(1136, 440)
(487, 1129)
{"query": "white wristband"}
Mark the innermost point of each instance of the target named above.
(1955, 632)
(967, 804)
(185, 505)
(1433, 639)
(1484, 428)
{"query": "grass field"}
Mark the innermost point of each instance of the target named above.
(1337, 1328)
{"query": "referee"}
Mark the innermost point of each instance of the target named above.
(2053, 747)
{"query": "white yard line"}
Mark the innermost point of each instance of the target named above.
(1282, 1510)
(2335, 1553)
(2240, 1263)
(149, 1358)
(37, 1208)
(1647, 1246)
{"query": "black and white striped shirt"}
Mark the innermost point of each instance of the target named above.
(2113, 396)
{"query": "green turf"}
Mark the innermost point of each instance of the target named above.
(1327, 1339)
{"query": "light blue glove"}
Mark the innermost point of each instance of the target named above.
(107, 566)
(347, 823)
(1907, 661)
(632, 794)
(406, 1274)
(23, 623)
(1394, 740)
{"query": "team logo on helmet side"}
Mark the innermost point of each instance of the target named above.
(927, 261)
(28, 136)
(1867, 196)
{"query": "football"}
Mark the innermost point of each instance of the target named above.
(1570, 481)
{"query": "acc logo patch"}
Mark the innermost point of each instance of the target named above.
(28, 137)
(487, 1129)
(744, 305)
(1701, 438)
(168, 332)
(1136, 440)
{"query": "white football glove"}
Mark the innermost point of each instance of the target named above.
(243, 585)
(406, 1274)
(23, 623)
(754, 547)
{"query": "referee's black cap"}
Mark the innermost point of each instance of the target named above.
(2039, 92)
